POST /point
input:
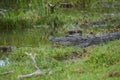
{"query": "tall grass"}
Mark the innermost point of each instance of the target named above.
(27, 13)
(20, 14)
(13, 22)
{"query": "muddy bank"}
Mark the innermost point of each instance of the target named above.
(84, 41)
(102, 23)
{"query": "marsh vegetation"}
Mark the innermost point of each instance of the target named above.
(26, 26)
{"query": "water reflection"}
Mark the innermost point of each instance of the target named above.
(4, 62)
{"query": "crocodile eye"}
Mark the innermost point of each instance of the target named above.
(85, 39)
(82, 39)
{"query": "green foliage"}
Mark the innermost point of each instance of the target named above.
(23, 14)
(99, 62)
(80, 68)
(13, 22)
(105, 56)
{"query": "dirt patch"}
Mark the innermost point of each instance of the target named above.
(98, 23)
(5, 49)
(72, 56)
(60, 58)
(78, 55)
(114, 74)
(82, 71)
(118, 61)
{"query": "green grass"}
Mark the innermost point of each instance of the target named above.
(95, 63)
(101, 61)
(21, 17)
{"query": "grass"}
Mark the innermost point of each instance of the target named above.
(99, 62)
(21, 18)
(98, 65)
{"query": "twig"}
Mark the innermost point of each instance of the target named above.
(37, 72)
(8, 72)
(33, 59)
